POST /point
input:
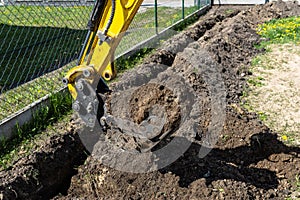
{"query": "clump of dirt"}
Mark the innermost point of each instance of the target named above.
(143, 103)
(247, 162)
(145, 97)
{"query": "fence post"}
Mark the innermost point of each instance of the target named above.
(155, 17)
(182, 9)
(198, 3)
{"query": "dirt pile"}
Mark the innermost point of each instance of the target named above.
(197, 78)
(248, 162)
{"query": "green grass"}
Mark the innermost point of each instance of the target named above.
(40, 50)
(277, 31)
(296, 185)
(281, 31)
(256, 61)
(229, 11)
(125, 63)
(73, 17)
(297, 182)
(15, 99)
(39, 39)
(143, 25)
(147, 29)
(59, 106)
(256, 81)
(262, 116)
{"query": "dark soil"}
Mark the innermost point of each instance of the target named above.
(47, 170)
(189, 77)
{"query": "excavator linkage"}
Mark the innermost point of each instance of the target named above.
(108, 22)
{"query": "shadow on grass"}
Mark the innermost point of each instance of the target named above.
(29, 52)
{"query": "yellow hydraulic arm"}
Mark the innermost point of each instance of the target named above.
(108, 23)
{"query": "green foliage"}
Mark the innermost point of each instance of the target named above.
(41, 50)
(256, 81)
(229, 11)
(281, 30)
(39, 39)
(297, 183)
(181, 26)
(52, 36)
(125, 63)
(262, 116)
(59, 105)
(256, 61)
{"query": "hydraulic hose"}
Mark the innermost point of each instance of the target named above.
(112, 14)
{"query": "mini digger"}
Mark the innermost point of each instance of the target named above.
(108, 22)
(86, 82)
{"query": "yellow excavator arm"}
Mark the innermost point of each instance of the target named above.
(108, 22)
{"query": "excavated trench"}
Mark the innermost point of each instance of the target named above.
(46, 171)
(196, 80)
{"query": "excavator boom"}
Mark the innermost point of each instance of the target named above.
(108, 22)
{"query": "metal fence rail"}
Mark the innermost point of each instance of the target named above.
(41, 40)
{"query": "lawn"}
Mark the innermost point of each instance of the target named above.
(38, 39)
(72, 17)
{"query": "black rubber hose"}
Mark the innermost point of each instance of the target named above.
(97, 12)
(112, 15)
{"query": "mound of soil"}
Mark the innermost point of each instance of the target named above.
(198, 77)
(248, 162)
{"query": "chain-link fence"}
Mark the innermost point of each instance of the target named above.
(41, 40)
